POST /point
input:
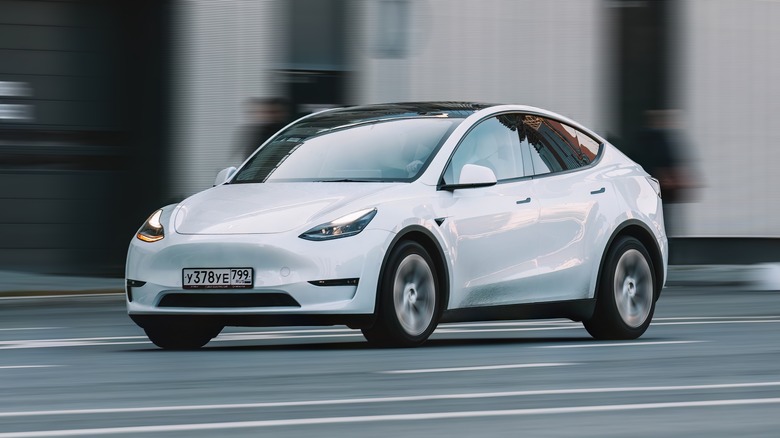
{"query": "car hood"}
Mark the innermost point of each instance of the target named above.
(267, 207)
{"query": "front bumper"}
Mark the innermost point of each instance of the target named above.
(284, 265)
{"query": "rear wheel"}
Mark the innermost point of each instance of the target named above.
(181, 336)
(625, 300)
(408, 304)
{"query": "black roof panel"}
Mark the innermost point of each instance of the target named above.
(364, 113)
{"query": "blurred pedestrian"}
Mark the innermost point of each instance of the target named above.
(266, 116)
(663, 155)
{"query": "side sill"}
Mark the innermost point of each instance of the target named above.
(576, 310)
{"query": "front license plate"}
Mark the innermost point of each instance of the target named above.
(217, 278)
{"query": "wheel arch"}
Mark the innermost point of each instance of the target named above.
(640, 231)
(427, 240)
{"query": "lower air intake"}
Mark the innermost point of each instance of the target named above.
(228, 300)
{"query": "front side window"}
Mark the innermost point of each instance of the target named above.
(494, 143)
(381, 151)
(556, 147)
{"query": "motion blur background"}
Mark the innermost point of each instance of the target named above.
(110, 109)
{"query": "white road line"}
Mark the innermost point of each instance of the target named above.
(346, 333)
(498, 330)
(293, 331)
(29, 328)
(477, 368)
(42, 297)
(390, 417)
(398, 399)
(68, 342)
(261, 336)
(15, 367)
(717, 322)
(511, 323)
(692, 318)
(619, 344)
(576, 325)
(104, 338)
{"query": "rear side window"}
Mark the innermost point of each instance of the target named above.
(556, 147)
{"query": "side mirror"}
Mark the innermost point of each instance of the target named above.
(472, 176)
(224, 175)
(475, 174)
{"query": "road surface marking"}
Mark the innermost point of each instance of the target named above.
(715, 322)
(104, 338)
(477, 368)
(15, 367)
(677, 318)
(41, 297)
(261, 336)
(294, 331)
(66, 342)
(511, 323)
(497, 330)
(390, 417)
(346, 333)
(29, 328)
(397, 399)
(619, 344)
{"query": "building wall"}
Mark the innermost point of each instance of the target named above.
(82, 118)
(548, 54)
(225, 52)
(555, 54)
(729, 68)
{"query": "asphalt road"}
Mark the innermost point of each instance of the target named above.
(708, 366)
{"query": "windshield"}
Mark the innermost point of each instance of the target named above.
(382, 151)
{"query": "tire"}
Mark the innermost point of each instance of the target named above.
(181, 336)
(625, 299)
(409, 299)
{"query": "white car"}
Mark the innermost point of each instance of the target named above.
(394, 218)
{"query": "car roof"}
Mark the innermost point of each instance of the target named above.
(385, 111)
(337, 118)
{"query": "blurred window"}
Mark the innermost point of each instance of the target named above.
(493, 143)
(382, 151)
(392, 28)
(556, 147)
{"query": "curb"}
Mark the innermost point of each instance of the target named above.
(12, 294)
(33, 285)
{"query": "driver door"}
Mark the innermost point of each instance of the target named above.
(491, 230)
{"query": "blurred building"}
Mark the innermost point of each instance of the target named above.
(83, 130)
(111, 108)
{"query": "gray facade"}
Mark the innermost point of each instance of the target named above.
(109, 109)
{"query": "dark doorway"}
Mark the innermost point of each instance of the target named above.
(641, 61)
(316, 71)
(83, 130)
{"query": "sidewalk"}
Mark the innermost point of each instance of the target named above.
(764, 276)
(21, 284)
(760, 276)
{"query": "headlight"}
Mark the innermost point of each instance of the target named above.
(152, 229)
(346, 226)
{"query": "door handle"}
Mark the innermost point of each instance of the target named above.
(596, 192)
(524, 201)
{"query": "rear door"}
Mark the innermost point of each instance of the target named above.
(574, 198)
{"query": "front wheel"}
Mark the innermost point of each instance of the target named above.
(181, 336)
(625, 299)
(408, 304)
